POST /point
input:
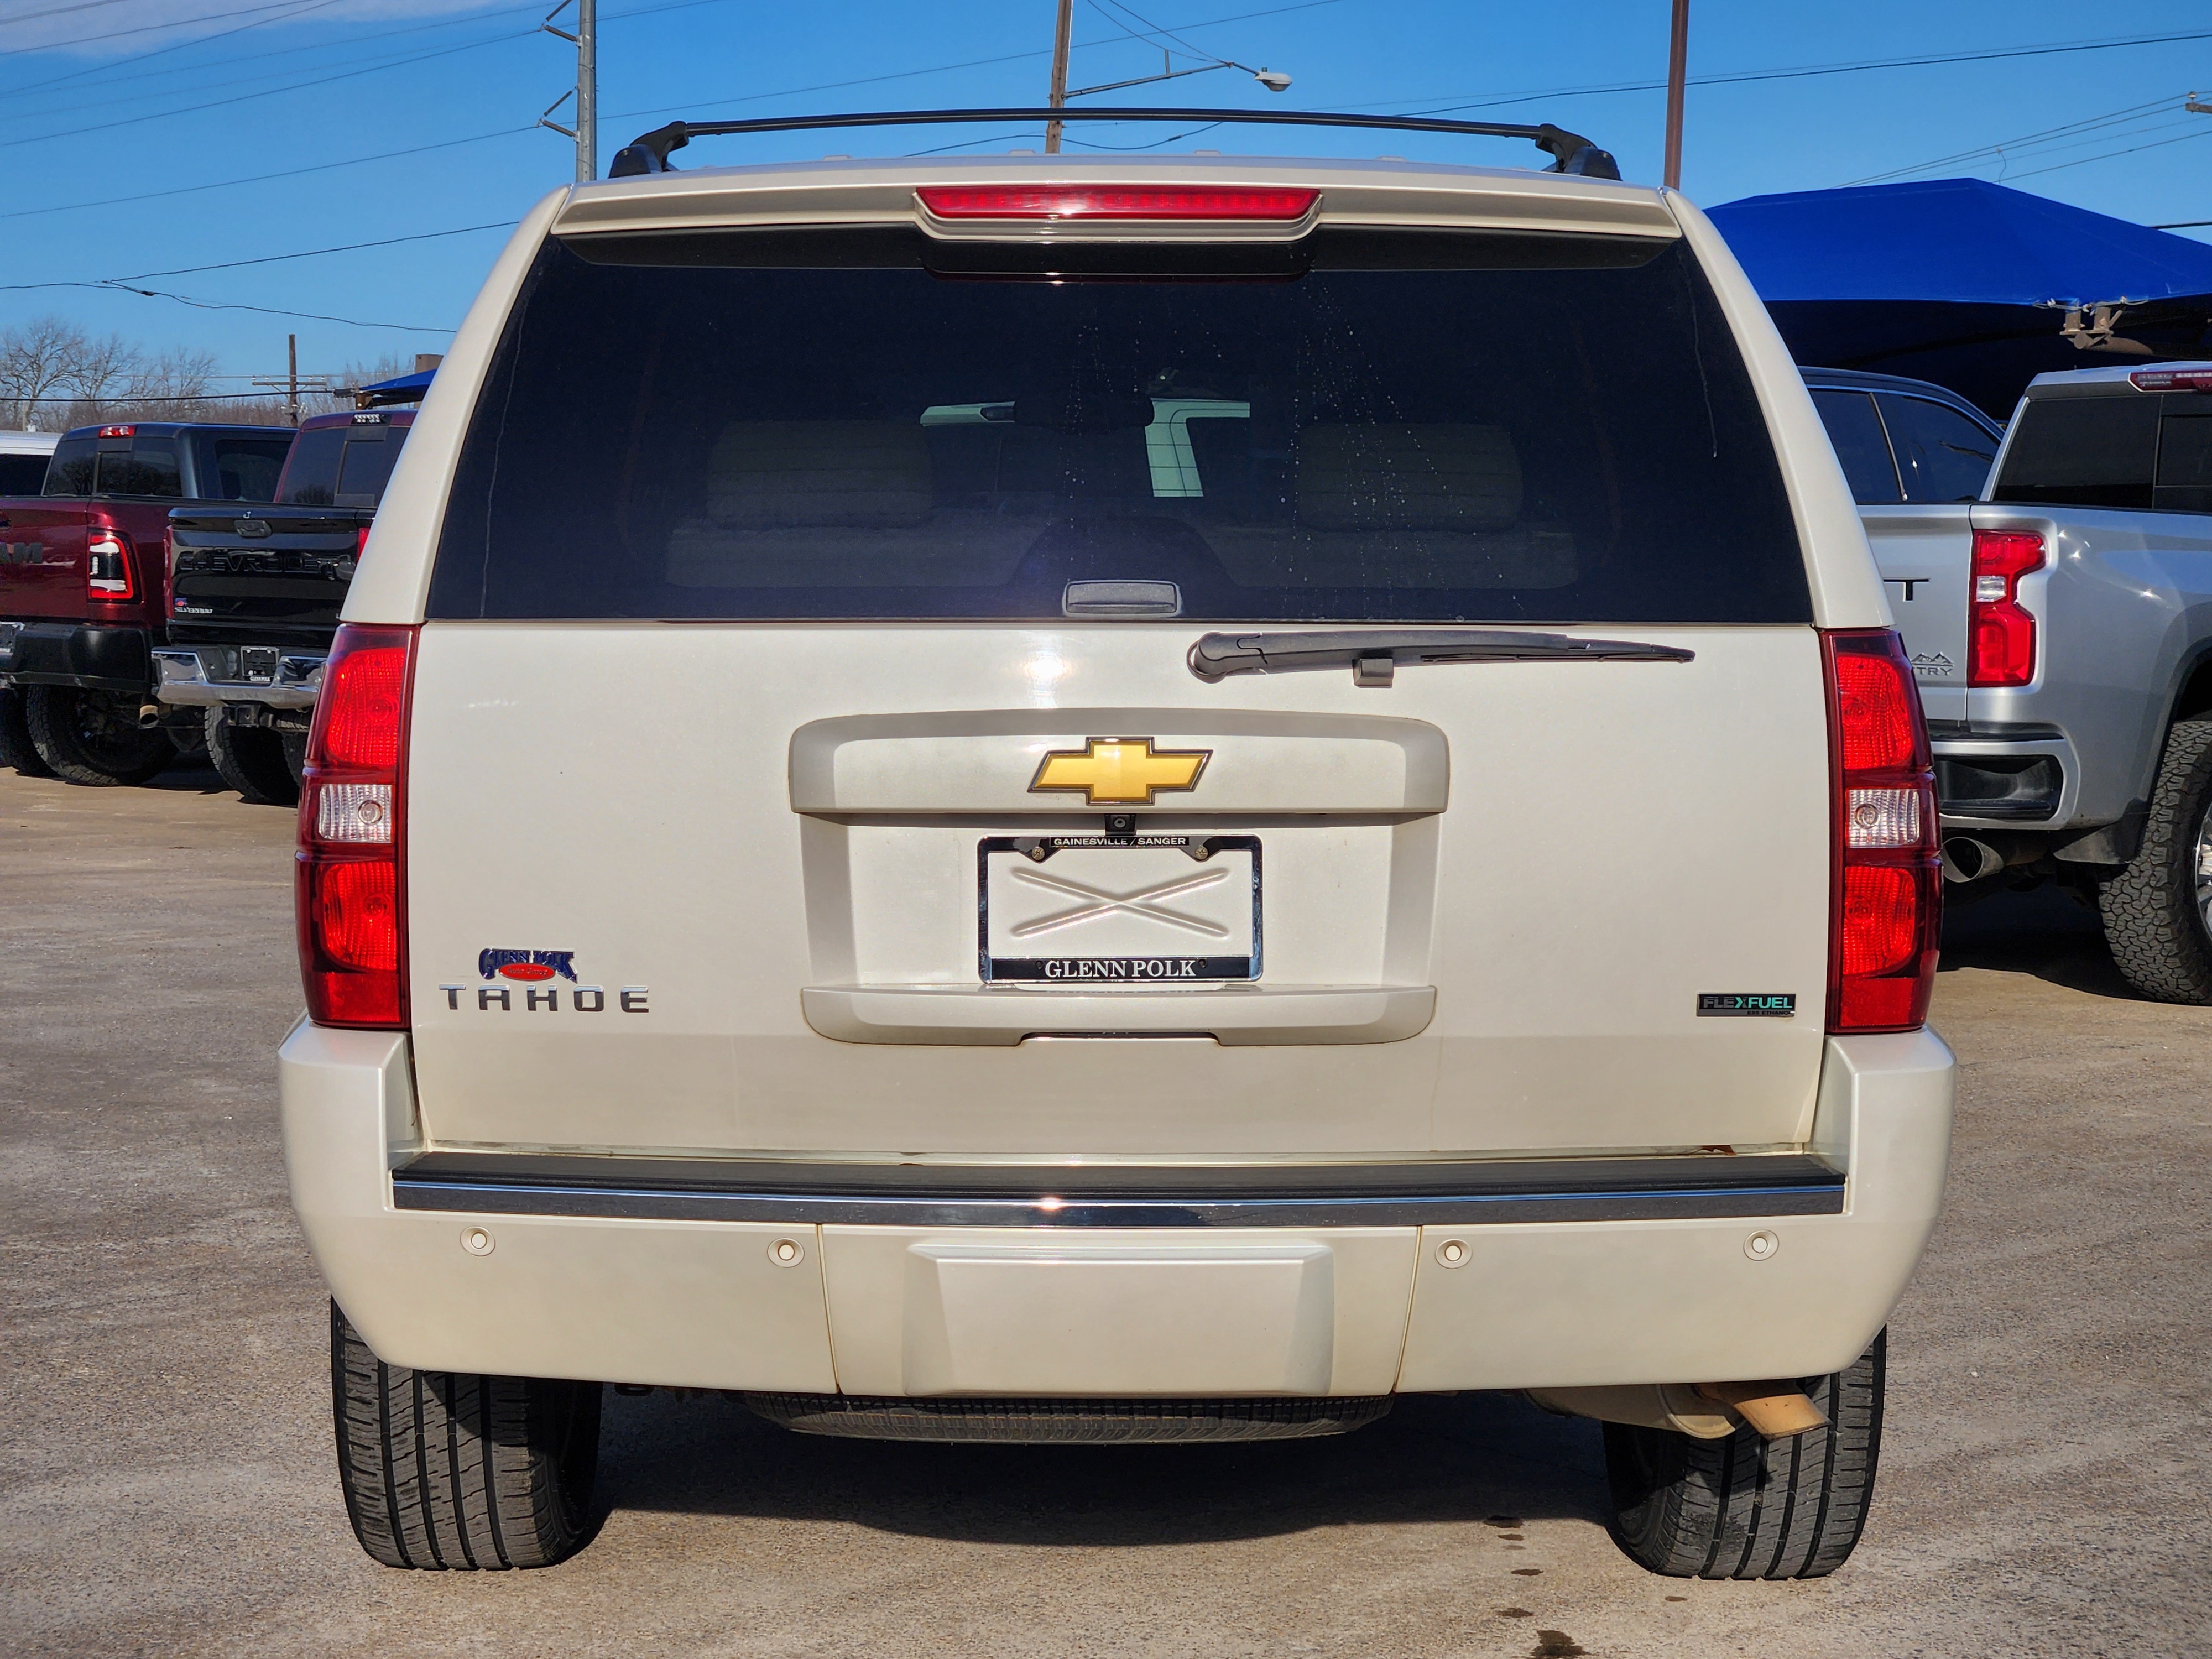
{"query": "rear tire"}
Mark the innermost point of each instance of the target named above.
(453, 1472)
(93, 737)
(2158, 911)
(254, 760)
(16, 748)
(1748, 1507)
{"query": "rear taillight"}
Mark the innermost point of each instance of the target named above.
(360, 542)
(2000, 630)
(351, 893)
(107, 568)
(1112, 202)
(1886, 912)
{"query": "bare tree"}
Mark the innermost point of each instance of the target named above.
(37, 360)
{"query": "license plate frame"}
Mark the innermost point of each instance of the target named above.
(1098, 970)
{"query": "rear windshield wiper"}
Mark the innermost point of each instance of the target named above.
(1373, 653)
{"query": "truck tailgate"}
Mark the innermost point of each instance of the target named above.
(1926, 557)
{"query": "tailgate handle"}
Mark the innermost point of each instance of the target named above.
(1374, 653)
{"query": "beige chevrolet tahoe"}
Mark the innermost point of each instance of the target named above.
(1053, 798)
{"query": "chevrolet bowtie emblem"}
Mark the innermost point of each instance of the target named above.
(1119, 769)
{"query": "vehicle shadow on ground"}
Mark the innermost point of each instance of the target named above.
(199, 779)
(2045, 932)
(1479, 1457)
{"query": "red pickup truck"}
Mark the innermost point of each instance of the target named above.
(84, 590)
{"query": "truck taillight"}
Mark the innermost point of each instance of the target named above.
(360, 542)
(107, 572)
(1886, 909)
(2000, 631)
(351, 894)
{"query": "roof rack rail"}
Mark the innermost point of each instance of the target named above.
(1570, 152)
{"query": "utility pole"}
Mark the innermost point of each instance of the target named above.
(1678, 74)
(585, 132)
(1059, 45)
(292, 385)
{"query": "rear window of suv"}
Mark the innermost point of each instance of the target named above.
(1411, 426)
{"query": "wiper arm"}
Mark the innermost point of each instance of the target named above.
(1373, 653)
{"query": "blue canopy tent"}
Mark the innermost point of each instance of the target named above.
(1967, 283)
(402, 389)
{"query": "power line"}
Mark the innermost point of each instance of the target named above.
(2087, 123)
(109, 78)
(2202, 132)
(946, 68)
(316, 252)
(145, 29)
(266, 311)
(266, 178)
(55, 11)
(2183, 224)
(297, 86)
(618, 115)
(110, 400)
(1806, 71)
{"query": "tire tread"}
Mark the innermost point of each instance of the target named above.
(451, 1471)
(1746, 1507)
(2157, 938)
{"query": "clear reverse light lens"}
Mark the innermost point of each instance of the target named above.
(1884, 817)
(357, 812)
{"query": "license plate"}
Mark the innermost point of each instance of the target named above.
(1143, 911)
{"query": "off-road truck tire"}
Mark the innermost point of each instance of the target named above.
(453, 1472)
(16, 748)
(2154, 911)
(93, 737)
(253, 760)
(1748, 1507)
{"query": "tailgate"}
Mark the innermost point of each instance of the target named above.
(236, 575)
(1926, 557)
(1491, 897)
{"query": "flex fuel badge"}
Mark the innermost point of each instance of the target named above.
(1746, 1005)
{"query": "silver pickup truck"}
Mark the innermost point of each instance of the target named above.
(2059, 621)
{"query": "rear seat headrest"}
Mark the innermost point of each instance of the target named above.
(1407, 476)
(778, 475)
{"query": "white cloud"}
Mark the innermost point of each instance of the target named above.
(85, 28)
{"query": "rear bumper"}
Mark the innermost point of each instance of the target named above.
(278, 676)
(906, 1282)
(80, 654)
(2028, 778)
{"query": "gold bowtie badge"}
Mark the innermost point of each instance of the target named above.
(1119, 769)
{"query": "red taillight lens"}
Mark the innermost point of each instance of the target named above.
(362, 691)
(351, 898)
(1112, 202)
(1887, 908)
(2001, 633)
(108, 576)
(361, 541)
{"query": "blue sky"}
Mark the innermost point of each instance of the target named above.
(159, 100)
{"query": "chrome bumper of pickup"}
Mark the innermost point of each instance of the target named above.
(209, 675)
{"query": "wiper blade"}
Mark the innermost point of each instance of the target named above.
(1374, 653)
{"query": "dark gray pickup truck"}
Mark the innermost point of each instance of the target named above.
(254, 598)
